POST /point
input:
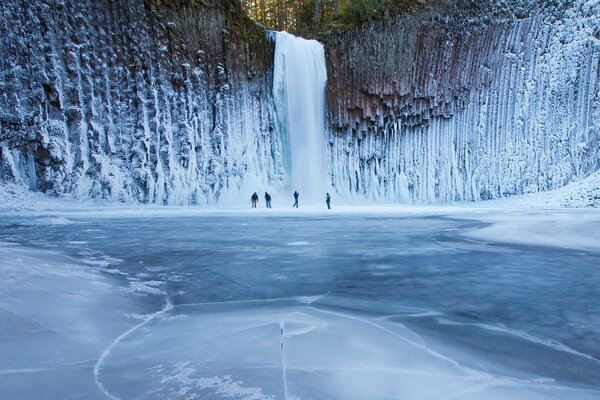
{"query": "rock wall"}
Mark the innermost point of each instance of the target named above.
(170, 102)
(435, 106)
(155, 101)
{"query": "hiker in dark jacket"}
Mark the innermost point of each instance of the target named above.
(296, 194)
(268, 199)
(254, 199)
(328, 201)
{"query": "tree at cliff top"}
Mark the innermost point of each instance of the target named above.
(313, 17)
(310, 17)
(301, 17)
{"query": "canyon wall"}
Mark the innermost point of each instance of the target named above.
(460, 106)
(156, 101)
(170, 102)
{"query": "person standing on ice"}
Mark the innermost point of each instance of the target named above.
(328, 201)
(254, 199)
(268, 199)
(296, 194)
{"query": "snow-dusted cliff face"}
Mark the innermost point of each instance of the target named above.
(160, 102)
(431, 108)
(174, 102)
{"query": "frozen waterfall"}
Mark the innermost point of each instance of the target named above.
(299, 82)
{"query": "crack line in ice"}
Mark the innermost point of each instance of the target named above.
(523, 335)
(50, 368)
(490, 380)
(283, 360)
(424, 314)
(46, 329)
(23, 371)
(167, 307)
(420, 346)
(210, 303)
(299, 299)
(371, 368)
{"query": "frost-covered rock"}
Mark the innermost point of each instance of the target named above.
(428, 107)
(129, 100)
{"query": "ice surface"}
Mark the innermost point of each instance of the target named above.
(56, 317)
(579, 231)
(295, 306)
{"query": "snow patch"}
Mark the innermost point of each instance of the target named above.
(145, 288)
(49, 221)
(299, 243)
(570, 230)
(184, 376)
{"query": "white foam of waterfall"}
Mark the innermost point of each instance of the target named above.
(299, 82)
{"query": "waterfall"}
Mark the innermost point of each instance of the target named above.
(299, 93)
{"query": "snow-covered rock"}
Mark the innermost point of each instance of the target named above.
(425, 108)
(126, 101)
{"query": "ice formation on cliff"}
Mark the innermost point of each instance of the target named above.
(128, 102)
(505, 110)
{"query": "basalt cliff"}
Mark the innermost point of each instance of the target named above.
(164, 102)
(171, 102)
(466, 106)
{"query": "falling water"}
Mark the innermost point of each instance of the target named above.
(299, 91)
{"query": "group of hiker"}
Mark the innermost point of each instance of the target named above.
(254, 200)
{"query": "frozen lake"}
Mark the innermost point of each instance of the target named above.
(287, 307)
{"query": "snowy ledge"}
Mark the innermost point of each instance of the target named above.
(567, 218)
